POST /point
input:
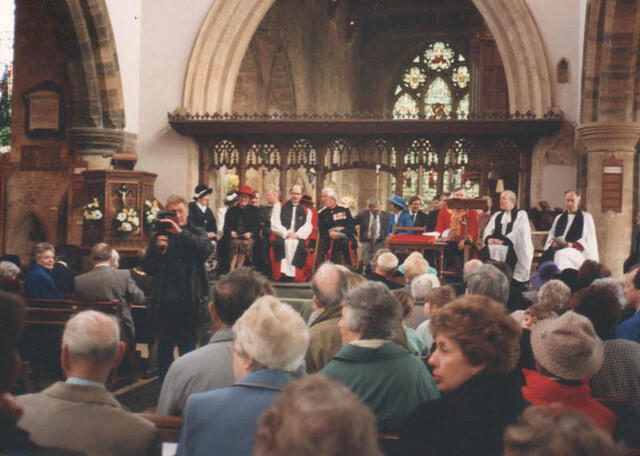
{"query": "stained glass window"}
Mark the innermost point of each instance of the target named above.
(434, 85)
(7, 17)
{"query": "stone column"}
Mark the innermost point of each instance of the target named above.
(96, 145)
(604, 140)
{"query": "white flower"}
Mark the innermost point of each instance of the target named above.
(97, 214)
(136, 221)
(126, 226)
(121, 217)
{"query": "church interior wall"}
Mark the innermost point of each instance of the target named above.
(125, 18)
(168, 30)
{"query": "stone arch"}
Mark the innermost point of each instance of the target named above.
(229, 26)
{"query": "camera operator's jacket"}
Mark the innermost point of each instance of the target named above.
(194, 249)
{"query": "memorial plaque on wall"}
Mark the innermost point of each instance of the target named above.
(612, 185)
(41, 158)
(44, 111)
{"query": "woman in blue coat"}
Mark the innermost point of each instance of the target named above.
(38, 282)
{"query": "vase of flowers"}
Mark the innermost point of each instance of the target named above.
(93, 213)
(126, 222)
(151, 209)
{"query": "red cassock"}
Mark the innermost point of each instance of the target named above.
(456, 220)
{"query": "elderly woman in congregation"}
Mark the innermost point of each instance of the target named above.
(38, 282)
(473, 365)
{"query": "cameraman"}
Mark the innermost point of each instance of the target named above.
(180, 288)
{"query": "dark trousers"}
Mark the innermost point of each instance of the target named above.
(167, 338)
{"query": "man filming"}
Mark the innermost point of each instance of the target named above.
(180, 289)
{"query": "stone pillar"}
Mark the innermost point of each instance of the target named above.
(96, 145)
(605, 140)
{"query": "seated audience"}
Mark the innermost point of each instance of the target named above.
(210, 367)
(63, 271)
(106, 283)
(630, 328)
(383, 270)
(567, 353)
(316, 416)
(556, 431)
(516, 300)
(414, 266)
(415, 342)
(385, 376)
(269, 342)
(461, 287)
(420, 288)
(330, 285)
(477, 349)
(436, 299)
(38, 282)
(241, 224)
(530, 318)
(80, 414)
(619, 376)
(13, 440)
(546, 271)
(590, 271)
(9, 277)
(554, 295)
(487, 280)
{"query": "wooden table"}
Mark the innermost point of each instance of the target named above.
(438, 247)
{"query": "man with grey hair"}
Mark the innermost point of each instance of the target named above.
(383, 270)
(80, 414)
(107, 283)
(330, 285)
(420, 287)
(507, 237)
(336, 228)
(373, 226)
(385, 376)
(487, 280)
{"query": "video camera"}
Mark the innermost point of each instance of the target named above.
(162, 228)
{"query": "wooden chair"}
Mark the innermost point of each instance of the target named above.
(169, 427)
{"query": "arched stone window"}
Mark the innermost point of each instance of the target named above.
(434, 85)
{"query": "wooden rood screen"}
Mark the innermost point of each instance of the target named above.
(488, 149)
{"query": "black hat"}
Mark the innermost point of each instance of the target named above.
(201, 190)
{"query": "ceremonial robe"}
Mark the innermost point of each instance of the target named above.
(289, 254)
(577, 229)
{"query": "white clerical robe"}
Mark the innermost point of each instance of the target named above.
(520, 237)
(570, 257)
(290, 244)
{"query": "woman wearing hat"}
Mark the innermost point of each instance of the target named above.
(400, 216)
(568, 352)
(200, 213)
(473, 364)
(241, 226)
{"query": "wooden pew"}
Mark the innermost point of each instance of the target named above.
(168, 426)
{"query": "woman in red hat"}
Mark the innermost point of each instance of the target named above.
(241, 226)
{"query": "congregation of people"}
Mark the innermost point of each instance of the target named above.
(388, 358)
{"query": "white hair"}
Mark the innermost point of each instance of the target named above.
(8, 269)
(421, 286)
(115, 259)
(331, 193)
(93, 337)
(387, 262)
(272, 334)
(511, 195)
(469, 266)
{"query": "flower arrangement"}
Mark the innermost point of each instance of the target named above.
(126, 222)
(93, 212)
(350, 202)
(151, 209)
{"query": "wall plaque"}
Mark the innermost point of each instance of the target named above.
(612, 185)
(41, 158)
(44, 111)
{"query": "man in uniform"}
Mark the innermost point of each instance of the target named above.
(335, 224)
(291, 226)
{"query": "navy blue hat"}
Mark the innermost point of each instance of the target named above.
(546, 271)
(398, 201)
(201, 190)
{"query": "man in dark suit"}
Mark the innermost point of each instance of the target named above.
(79, 414)
(419, 217)
(432, 216)
(373, 227)
(104, 283)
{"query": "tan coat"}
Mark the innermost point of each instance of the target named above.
(324, 339)
(87, 419)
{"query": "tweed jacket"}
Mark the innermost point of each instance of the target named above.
(619, 376)
(324, 339)
(207, 368)
(223, 421)
(87, 419)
